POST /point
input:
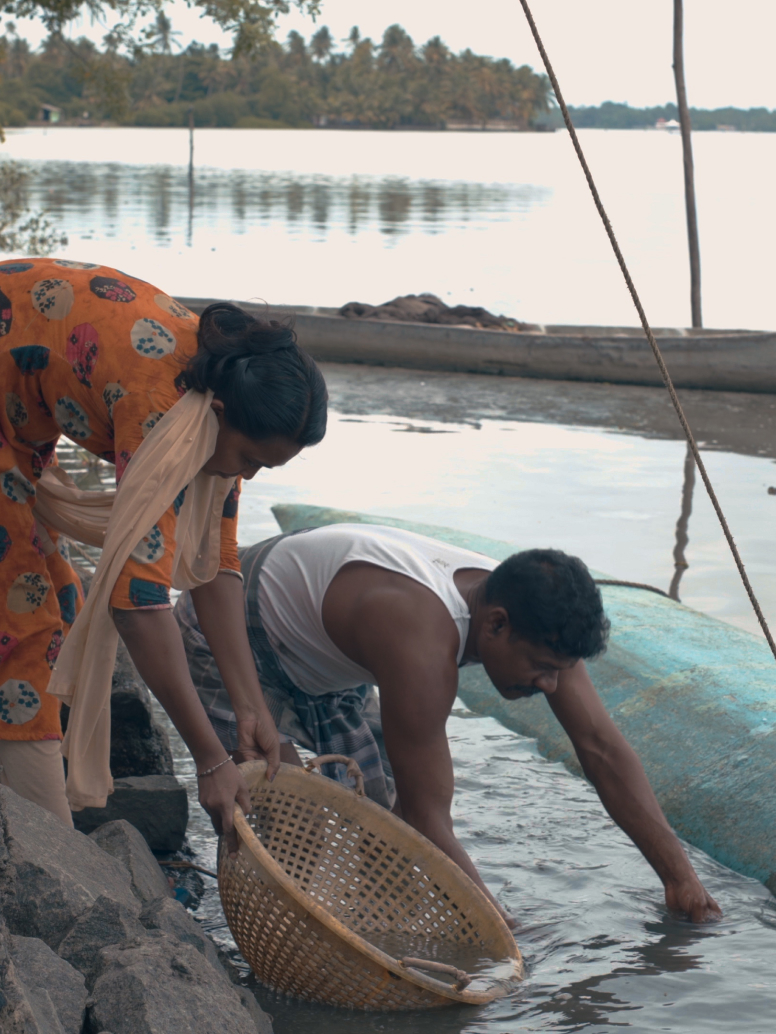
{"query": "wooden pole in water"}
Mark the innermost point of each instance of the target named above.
(682, 537)
(190, 234)
(689, 173)
(191, 144)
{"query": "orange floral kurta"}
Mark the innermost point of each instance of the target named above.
(97, 355)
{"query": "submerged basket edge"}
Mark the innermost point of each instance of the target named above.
(258, 768)
(252, 771)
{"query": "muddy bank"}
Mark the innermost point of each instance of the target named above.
(730, 420)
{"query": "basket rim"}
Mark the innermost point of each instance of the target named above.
(251, 772)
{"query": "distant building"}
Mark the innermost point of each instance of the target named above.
(48, 113)
(670, 123)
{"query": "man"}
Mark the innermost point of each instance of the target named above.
(334, 610)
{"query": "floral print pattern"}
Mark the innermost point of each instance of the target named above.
(19, 703)
(151, 339)
(72, 418)
(111, 289)
(31, 358)
(27, 592)
(53, 298)
(82, 348)
(98, 355)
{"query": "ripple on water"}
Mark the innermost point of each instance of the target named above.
(601, 949)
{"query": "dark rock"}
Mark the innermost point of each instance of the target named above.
(161, 986)
(58, 885)
(138, 744)
(16, 1015)
(156, 805)
(55, 992)
(168, 916)
(106, 923)
(125, 842)
(49, 874)
(261, 1020)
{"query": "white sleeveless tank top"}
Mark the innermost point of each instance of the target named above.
(299, 570)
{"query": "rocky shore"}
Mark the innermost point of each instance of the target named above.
(92, 939)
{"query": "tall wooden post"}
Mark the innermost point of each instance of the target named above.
(682, 536)
(190, 234)
(689, 175)
(191, 144)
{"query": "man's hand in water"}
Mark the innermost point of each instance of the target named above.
(688, 895)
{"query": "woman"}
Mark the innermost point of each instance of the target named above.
(124, 371)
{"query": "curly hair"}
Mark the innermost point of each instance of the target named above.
(551, 599)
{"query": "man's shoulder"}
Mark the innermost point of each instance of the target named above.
(393, 607)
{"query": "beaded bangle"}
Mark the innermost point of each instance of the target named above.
(210, 771)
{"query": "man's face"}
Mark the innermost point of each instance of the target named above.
(517, 667)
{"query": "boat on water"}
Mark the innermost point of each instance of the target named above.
(718, 360)
(694, 696)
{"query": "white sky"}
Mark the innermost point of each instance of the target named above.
(602, 49)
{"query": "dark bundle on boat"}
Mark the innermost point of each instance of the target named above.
(427, 308)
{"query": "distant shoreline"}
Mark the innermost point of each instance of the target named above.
(497, 129)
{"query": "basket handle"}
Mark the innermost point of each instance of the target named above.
(339, 759)
(462, 978)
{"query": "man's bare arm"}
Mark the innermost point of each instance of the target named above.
(614, 769)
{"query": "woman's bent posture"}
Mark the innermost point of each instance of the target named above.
(180, 406)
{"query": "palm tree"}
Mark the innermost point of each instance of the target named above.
(322, 44)
(161, 35)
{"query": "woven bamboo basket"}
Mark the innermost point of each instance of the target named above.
(324, 879)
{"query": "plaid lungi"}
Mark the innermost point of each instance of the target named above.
(345, 722)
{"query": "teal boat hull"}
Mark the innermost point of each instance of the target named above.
(694, 696)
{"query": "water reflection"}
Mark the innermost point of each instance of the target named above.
(683, 524)
(168, 203)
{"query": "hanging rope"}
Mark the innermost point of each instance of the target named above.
(631, 585)
(648, 331)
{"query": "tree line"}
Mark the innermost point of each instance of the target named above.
(301, 82)
(611, 115)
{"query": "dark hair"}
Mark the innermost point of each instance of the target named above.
(268, 384)
(551, 599)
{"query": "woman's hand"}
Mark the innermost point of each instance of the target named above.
(257, 737)
(218, 793)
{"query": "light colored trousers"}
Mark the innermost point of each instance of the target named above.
(34, 770)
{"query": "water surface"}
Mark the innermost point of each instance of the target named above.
(600, 947)
(503, 220)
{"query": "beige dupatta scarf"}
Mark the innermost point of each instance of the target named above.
(169, 459)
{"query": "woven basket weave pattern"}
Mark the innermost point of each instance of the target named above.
(369, 872)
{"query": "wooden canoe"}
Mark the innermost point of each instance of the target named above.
(719, 360)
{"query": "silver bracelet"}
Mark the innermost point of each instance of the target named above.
(210, 771)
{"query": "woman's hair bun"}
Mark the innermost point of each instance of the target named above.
(269, 385)
(227, 330)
